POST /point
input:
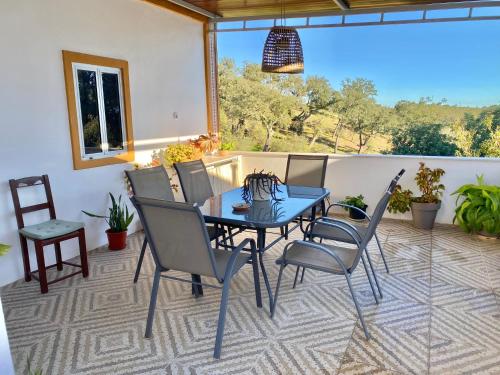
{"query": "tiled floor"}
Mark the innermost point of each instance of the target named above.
(440, 315)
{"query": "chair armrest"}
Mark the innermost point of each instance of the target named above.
(317, 247)
(331, 223)
(348, 206)
(328, 221)
(234, 255)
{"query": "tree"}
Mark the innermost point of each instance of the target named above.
(354, 105)
(422, 140)
(316, 95)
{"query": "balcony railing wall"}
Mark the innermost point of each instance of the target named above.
(370, 174)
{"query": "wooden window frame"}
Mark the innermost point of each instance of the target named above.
(70, 58)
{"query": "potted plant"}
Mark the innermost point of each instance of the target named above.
(425, 207)
(356, 202)
(479, 211)
(206, 143)
(118, 220)
(4, 249)
(260, 186)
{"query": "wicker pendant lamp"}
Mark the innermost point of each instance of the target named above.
(283, 50)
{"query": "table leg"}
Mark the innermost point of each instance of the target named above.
(261, 245)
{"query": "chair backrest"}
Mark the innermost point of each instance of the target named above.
(395, 180)
(194, 180)
(151, 183)
(376, 217)
(29, 182)
(306, 170)
(177, 236)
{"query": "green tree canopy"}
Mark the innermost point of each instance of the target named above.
(422, 140)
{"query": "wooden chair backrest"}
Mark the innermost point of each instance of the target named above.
(25, 182)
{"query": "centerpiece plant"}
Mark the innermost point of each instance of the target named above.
(424, 208)
(118, 220)
(261, 186)
(358, 202)
(479, 210)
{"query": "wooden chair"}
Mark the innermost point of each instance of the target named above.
(51, 232)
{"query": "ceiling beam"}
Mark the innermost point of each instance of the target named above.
(342, 4)
(389, 9)
(181, 8)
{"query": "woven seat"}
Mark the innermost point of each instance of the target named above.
(50, 229)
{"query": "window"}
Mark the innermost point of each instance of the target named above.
(99, 110)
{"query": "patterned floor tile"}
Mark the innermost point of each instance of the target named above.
(439, 314)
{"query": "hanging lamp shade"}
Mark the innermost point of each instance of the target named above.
(283, 51)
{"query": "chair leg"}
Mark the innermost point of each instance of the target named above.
(273, 307)
(369, 280)
(374, 273)
(358, 309)
(83, 253)
(222, 318)
(152, 303)
(381, 252)
(296, 277)
(141, 258)
(57, 249)
(256, 280)
(302, 276)
(42, 274)
(26, 258)
(196, 289)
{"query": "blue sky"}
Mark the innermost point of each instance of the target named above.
(458, 61)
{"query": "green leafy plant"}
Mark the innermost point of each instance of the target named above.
(180, 152)
(354, 201)
(227, 146)
(479, 210)
(119, 217)
(428, 182)
(4, 249)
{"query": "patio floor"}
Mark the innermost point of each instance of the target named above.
(440, 314)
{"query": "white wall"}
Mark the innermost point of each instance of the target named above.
(371, 174)
(166, 62)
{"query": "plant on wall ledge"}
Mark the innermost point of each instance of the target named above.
(206, 143)
(175, 153)
(479, 210)
(4, 249)
(424, 208)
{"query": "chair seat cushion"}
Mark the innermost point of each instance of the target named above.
(50, 229)
(336, 234)
(222, 259)
(300, 254)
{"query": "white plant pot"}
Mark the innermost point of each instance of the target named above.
(260, 193)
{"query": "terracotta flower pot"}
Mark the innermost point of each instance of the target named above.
(116, 240)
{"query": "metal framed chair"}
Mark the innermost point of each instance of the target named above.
(331, 258)
(306, 170)
(196, 188)
(149, 183)
(179, 241)
(325, 232)
(51, 232)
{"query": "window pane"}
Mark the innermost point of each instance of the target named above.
(87, 87)
(112, 108)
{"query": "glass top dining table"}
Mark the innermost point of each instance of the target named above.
(292, 202)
